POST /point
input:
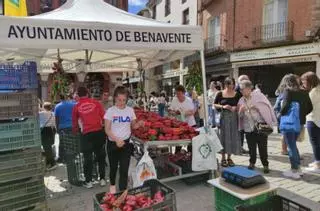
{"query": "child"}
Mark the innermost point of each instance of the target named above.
(119, 122)
(162, 104)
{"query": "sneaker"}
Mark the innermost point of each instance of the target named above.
(51, 167)
(87, 185)
(300, 172)
(291, 174)
(313, 169)
(251, 166)
(243, 151)
(312, 164)
(103, 183)
(266, 170)
(230, 163)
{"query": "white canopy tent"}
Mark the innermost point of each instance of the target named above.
(99, 36)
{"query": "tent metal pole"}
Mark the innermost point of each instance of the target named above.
(204, 84)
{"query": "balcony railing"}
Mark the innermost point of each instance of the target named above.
(271, 33)
(215, 43)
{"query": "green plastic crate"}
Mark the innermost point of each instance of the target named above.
(71, 143)
(224, 201)
(18, 104)
(21, 188)
(27, 202)
(20, 134)
(21, 164)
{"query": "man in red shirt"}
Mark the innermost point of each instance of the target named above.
(88, 114)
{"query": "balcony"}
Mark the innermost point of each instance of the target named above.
(273, 33)
(215, 43)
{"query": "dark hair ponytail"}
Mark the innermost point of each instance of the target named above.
(120, 90)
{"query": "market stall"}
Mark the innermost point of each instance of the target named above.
(160, 137)
(105, 39)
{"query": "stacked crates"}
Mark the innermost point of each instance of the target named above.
(21, 163)
(75, 160)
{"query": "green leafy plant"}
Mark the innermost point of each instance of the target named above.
(194, 78)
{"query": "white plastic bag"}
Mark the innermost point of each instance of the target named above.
(132, 172)
(145, 170)
(204, 149)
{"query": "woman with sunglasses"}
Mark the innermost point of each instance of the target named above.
(226, 101)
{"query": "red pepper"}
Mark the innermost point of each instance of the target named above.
(152, 132)
(131, 203)
(105, 207)
(127, 208)
(109, 198)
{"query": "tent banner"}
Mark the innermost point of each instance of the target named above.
(47, 34)
(15, 8)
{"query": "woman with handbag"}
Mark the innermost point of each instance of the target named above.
(48, 131)
(256, 118)
(296, 105)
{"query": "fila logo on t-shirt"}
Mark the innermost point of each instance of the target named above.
(121, 119)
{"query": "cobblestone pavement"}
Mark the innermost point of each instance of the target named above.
(62, 196)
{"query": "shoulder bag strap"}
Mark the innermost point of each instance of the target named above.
(48, 120)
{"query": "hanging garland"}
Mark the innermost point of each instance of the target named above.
(60, 85)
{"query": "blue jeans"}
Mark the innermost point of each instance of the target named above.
(161, 108)
(314, 136)
(291, 141)
(212, 116)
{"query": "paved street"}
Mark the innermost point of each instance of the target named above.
(62, 196)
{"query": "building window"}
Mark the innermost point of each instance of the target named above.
(275, 25)
(62, 2)
(183, 1)
(1, 7)
(114, 3)
(167, 7)
(158, 70)
(154, 12)
(186, 19)
(214, 33)
(46, 3)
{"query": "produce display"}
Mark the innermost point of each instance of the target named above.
(127, 202)
(183, 159)
(162, 128)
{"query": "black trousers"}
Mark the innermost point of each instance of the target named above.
(242, 137)
(119, 156)
(253, 140)
(47, 140)
(93, 142)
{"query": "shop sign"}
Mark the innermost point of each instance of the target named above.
(275, 61)
(172, 74)
(134, 80)
(296, 50)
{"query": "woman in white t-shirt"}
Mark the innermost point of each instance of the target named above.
(119, 121)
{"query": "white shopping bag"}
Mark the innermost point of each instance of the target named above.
(204, 149)
(145, 170)
(132, 172)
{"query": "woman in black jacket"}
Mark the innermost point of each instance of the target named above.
(293, 93)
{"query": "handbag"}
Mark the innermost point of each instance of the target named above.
(260, 127)
(290, 122)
